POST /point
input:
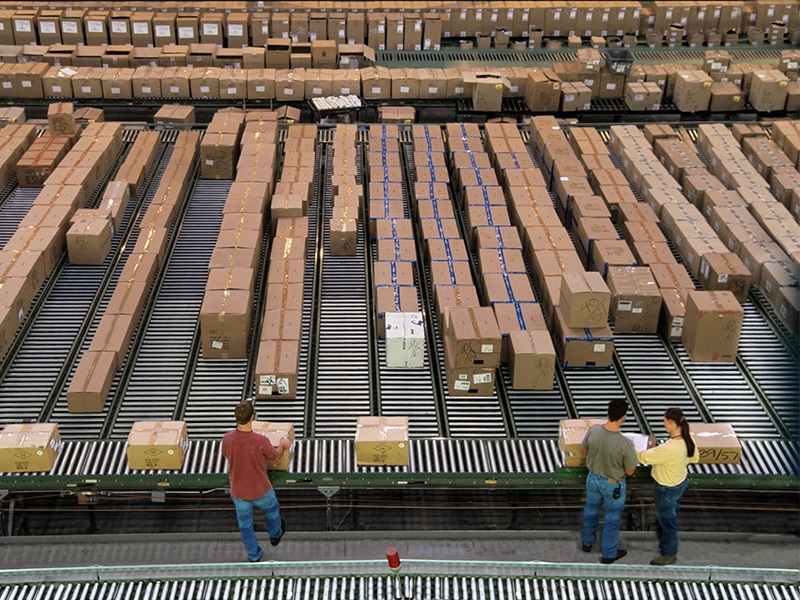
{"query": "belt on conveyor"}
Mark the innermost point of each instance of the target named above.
(426, 457)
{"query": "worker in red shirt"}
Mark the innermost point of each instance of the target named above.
(247, 453)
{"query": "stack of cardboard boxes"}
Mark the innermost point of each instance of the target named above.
(89, 387)
(347, 193)
(278, 357)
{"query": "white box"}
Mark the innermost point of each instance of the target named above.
(405, 341)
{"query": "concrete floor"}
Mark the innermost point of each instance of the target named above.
(697, 549)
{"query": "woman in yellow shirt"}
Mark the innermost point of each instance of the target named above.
(669, 462)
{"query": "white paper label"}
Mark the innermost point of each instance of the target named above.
(637, 311)
(404, 89)
(624, 305)
(210, 162)
(94, 26)
(6, 85)
(217, 345)
(185, 32)
(678, 321)
(115, 90)
(264, 390)
(146, 89)
(417, 26)
(376, 90)
(288, 92)
(56, 89)
(482, 378)
(599, 347)
(141, 28)
(235, 30)
(163, 31)
(22, 25)
(433, 89)
(231, 90)
(261, 89)
(119, 27)
(461, 386)
(174, 89)
(316, 91)
(458, 90)
(722, 278)
(85, 89)
(283, 385)
(47, 27)
(69, 27)
(676, 331)
(204, 89)
(265, 29)
(487, 348)
(611, 86)
(381, 28)
(345, 91)
(569, 98)
(26, 83)
(210, 29)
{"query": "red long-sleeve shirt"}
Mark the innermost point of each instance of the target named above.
(247, 453)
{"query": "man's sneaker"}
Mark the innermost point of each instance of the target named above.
(661, 561)
(277, 540)
(586, 548)
(620, 554)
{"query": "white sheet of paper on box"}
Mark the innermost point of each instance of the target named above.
(405, 341)
(639, 440)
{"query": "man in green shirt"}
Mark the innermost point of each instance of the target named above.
(611, 457)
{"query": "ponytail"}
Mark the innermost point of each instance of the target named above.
(676, 414)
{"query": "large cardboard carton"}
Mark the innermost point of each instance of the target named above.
(225, 323)
(275, 432)
(635, 300)
(768, 90)
(692, 91)
(582, 347)
(725, 271)
(473, 336)
(405, 340)
(584, 299)
(382, 441)
(89, 241)
(29, 447)
(712, 326)
(543, 91)
(276, 368)
(487, 89)
(343, 236)
(114, 335)
(157, 445)
(532, 360)
(673, 312)
(88, 390)
(717, 443)
(571, 433)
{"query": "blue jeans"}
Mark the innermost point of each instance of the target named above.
(272, 515)
(666, 500)
(599, 492)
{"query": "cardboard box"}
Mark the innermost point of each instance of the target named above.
(726, 97)
(532, 360)
(405, 340)
(89, 242)
(584, 299)
(275, 432)
(768, 91)
(29, 447)
(276, 368)
(571, 433)
(225, 319)
(673, 311)
(717, 443)
(692, 91)
(487, 89)
(712, 326)
(725, 271)
(582, 347)
(635, 300)
(157, 445)
(343, 236)
(382, 441)
(575, 96)
(473, 336)
(91, 382)
(543, 91)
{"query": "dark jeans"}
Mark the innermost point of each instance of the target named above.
(600, 493)
(667, 500)
(244, 513)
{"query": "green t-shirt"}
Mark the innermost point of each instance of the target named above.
(610, 453)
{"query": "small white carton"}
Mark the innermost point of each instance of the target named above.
(405, 341)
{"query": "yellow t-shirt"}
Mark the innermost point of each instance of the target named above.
(669, 461)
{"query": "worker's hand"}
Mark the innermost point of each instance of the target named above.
(285, 443)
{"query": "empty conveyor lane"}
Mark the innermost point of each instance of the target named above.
(88, 425)
(342, 386)
(44, 352)
(164, 359)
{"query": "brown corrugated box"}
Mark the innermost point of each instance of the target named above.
(507, 287)
(607, 253)
(225, 323)
(276, 368)
(635, 300)
(584, 299)
(582, 347)
(157, 445)
(395, 298)
(692, 91)
(531, 360)
(89, 241)
(673, 311)
(468, 381)
(571, 433)
(725, 271)
(446, 297)
(473, 336)
(382, 441)
(91, 382)
(275, 432)
(712, 326)
(768, 91)
(543, 90)
(716, 443)
(29, 447)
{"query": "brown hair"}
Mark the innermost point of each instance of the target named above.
(676, 414)
(243, 412)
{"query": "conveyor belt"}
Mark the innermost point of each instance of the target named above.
(84, 425)
(343, 378)
(245, 584)
(524, 458)
(14, 210)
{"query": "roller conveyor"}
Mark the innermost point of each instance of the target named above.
(14, 210)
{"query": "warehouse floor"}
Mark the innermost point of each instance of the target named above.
(697, 549)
